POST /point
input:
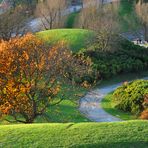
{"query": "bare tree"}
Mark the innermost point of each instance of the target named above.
(12, 23)
(102, 19)
(51, 13)
(88, 14)
(142, 11)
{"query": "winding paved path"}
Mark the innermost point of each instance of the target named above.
(90, 104)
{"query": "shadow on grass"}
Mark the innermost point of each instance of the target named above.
(63, 114)
(134, 144)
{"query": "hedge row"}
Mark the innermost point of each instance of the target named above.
(129, 58)
(132, 97)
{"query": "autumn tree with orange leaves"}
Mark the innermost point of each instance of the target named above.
(29, 75)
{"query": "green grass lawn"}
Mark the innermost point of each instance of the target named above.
(75, 38)
(67, 110)
(132, 134)
(109, 106)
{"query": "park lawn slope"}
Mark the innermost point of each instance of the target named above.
(67, 110)
(75, 38)
(117, 134)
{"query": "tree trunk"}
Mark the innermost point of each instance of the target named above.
(29, 121)
(50, 24)
(146, 32)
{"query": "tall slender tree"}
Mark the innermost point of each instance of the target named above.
(51, 13)
(142, 11)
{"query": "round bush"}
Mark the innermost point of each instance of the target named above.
(131, 96)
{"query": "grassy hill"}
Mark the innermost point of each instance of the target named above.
(75, 38)
(105, 135)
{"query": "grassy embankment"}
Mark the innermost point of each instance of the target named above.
(75, 38)
(104, 135)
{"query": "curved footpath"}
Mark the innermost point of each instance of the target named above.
(90, 104)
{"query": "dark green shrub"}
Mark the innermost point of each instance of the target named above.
(130, 97)
(128, 58)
